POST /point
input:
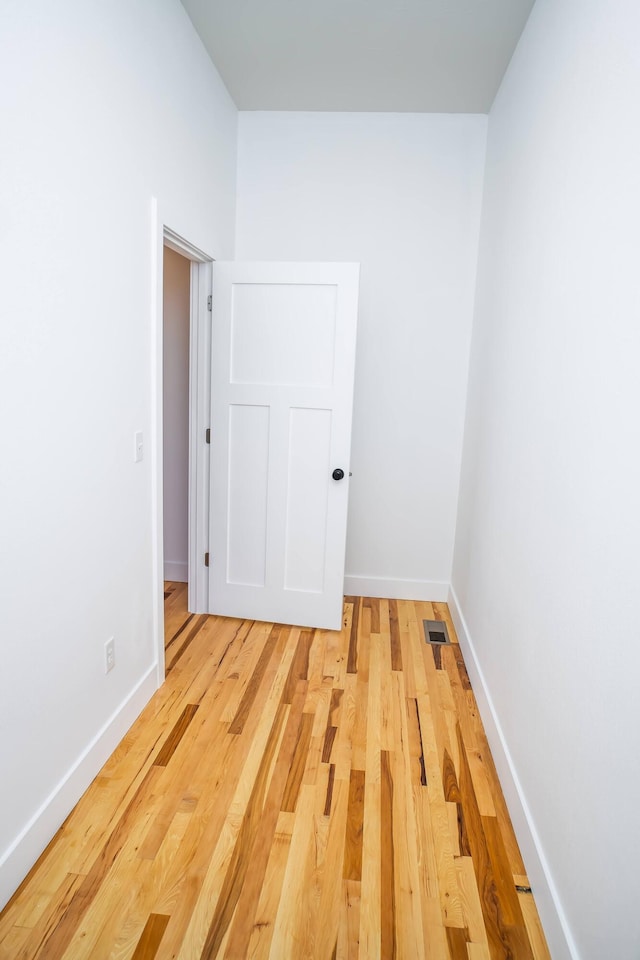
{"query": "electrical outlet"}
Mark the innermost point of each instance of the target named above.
(109, 655)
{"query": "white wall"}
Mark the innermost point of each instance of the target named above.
(103, 104)
(546, 574)
(401, 195)
(176, 298)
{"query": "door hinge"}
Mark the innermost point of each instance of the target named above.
(207, 435)
(206, 559)
(210, 303)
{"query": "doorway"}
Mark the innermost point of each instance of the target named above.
(189, 278)
(270, 398)
(176, 297)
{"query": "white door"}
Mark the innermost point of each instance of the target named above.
(283, 353)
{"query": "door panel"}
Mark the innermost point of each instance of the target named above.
(309, 466)
(248, 485)
(283, 352)
(269, 344)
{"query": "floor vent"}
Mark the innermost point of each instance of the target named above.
(435, 631)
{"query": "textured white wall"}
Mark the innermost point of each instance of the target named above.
(104, 105)
(401, 195)
(546, 568)
(175, 447)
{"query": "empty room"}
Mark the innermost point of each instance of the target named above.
(320, 479)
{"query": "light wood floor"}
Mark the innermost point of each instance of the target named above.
(290, 794)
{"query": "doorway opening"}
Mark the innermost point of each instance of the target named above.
(182, 279)
(271, 386)
(176, 295)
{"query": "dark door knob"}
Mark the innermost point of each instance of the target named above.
(338, 474)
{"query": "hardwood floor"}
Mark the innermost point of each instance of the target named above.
(290, 793)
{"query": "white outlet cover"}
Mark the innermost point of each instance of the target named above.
(109, 655)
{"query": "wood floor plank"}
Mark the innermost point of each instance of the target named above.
(497, 797)
(478, 951)
(292, 922)
(387, 735)
(185, 641)
(187, 769)
(290, 792)
(370, 890)
(48, 922)
(172, 742)
(115, 924)
(232, 766)
(251, 692)
(374, 606)
(120, 905)
(470, 898)
(405, 614)
(504, 939)
(479, 772)
(409, 932)
(61, 936)
(217, 899)
(13, 940)
(352, 658)
(152, 881)
(253, 846)
(343, 746)
(533, 925)
(299, 665)
(434, 931)
(207, 925)
(389, 945)
(437, 718)
(352, 869)
(433, 769)
(309, 930)
(445, 845)
(359, 736)
(296, 771)
(147, 946)
(27, 905)
(261, 932)
(457, 942)
(348, 942)
(501, 870)
(331, 886)
(374, 714)
(394, 632)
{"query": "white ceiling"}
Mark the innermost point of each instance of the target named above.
(443, 56)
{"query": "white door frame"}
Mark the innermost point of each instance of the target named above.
(199, 407)
(199, 389)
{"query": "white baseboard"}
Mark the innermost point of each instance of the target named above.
(557, 931)
(396, 589)
(16, 862)
(176, 570)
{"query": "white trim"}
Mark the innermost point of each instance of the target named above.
(177, 570)
(358, 586)
(18, 859)
(199, 420)
(179, 245)
(556, 927)
(157, 518)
